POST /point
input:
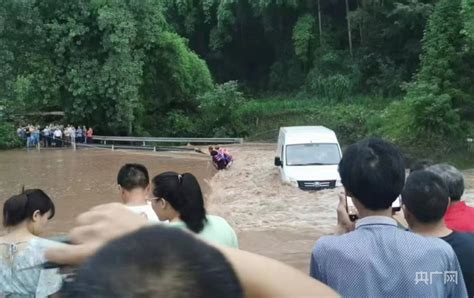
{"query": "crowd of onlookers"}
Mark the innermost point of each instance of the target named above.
(431, 256)
(54, 135)
(161, 242)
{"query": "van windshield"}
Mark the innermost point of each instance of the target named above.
(312, 154)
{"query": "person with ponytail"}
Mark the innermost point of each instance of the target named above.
(21, 250)
(178, 198)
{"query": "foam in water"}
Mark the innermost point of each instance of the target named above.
(251, 196)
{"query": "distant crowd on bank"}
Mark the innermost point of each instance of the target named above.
(161, 242)
(55, 135)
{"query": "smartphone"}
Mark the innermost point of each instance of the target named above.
(397, 204)
(351, 209)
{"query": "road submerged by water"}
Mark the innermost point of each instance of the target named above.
(271, 219)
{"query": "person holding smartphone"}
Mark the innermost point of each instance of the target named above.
(396, 207)
(372, 257)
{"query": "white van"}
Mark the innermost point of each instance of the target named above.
(308, 157)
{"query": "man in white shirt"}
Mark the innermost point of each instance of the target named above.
(58, 135)
(134, 184)
(67, 133)
(73, 134)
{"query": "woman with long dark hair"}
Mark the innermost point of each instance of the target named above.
(178, 198)
(21, 250)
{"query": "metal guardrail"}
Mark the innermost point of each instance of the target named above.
(144, 140)
(131, 147)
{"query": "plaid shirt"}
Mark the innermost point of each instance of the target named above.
(380, 260)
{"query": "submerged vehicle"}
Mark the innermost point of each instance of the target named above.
(308, 157)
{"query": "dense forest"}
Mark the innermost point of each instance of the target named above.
(399, 69)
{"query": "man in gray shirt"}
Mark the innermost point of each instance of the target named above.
(374, 258)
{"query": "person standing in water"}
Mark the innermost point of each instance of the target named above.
(25, 216)
(178, 198)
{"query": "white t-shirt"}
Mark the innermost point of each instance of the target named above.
(146, 211)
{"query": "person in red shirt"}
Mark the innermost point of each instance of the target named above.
(89, 135)
(460, 216)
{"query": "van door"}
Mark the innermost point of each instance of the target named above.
(283, 162)
(280, 153)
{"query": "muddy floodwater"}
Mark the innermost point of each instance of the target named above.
(79, 180)
(273, 219)
(270, 218)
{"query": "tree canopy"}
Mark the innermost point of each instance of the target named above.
(442, 94)
(101, 61)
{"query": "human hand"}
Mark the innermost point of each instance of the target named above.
(344, 223)
(400, 218)
(263, 277)
(95, 228)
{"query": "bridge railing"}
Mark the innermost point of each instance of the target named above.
(144, 140)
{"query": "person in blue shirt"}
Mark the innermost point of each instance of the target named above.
(373, 257)
(425, 201)
(79, 135)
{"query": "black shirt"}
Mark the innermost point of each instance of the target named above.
(463, 246)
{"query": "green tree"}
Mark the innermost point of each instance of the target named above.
(441, 96)
(468, 17)
(173, 78)
(304, 38)
(262, 43)
(8, 137)
(104, 62)
(28, 77)
(218, 111)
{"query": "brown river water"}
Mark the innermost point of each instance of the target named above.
(271, 219)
